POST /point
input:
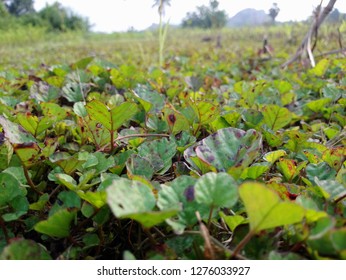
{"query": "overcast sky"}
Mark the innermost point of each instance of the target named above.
(120, 15)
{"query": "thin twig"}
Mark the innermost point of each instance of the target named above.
(339, 39)
(219, 244)
(208, 248)
(30, 182)
(340, 198)
(242, 243)
(4, 230)
(343, 51)
(133, 135)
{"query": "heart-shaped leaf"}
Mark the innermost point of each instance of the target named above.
(276, 117)
(226, 148)
(181, 194)
(57, 225)
(111, 119)
(135, 200)
(233, 221)
(274, 156)
(24, 249)
(158, 153)
(15, 133)
(216, 190)
(150, 100)
(266, 210)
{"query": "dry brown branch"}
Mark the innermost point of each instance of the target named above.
(305, 46)
(342, 51)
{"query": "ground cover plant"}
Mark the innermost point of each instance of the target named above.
(218, 154)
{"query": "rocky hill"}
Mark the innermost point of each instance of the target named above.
(249, 17)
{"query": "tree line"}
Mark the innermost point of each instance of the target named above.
(54, 17)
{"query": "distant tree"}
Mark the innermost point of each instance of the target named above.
(58, 18)
(274, 11)
(206, 17)
(3, 9)
(19, 7)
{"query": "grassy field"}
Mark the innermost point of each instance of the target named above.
(218, 154)
(24, 47)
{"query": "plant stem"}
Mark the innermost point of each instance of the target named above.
(133, 135)
(218, 243)
(340, 198)
(210, 217)
(242, 243)
(160, 42)
(150, 236)
(30, 182)
(4, 230)
(112, 141)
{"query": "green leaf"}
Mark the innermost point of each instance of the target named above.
(150, 100)
(57, 225)
(253, 172)
(320, 68)
(273, 255)
(73, 92)
(289, 168)
(338, 238)
(79, 109)
(18, 207)
(97, 133)
(111, 119)
(15, 133)
(135, 200)
(176, 121)
(153, 218)
(181, 194)
(28, 153)
(9, 189)
(159, 153)
(67, 162)
(97, 199)
(137, 165)
(252, 117)
(313, 213)
(266, 210)
(226, 148)
(216, 190)
(233, 221)
(274, 156)
(127, 197)
(321, 171)
(24, 249)
(6, 152)
(28, 122)
(318, 105)
(206, 112)
(335, 157)
(99, 112)
(320, 237)
(331, 188)
(40, 204)
(122, 113)
(276, 117)
(99, 162)
(82, 63)
(70, 199)
(67, 181)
